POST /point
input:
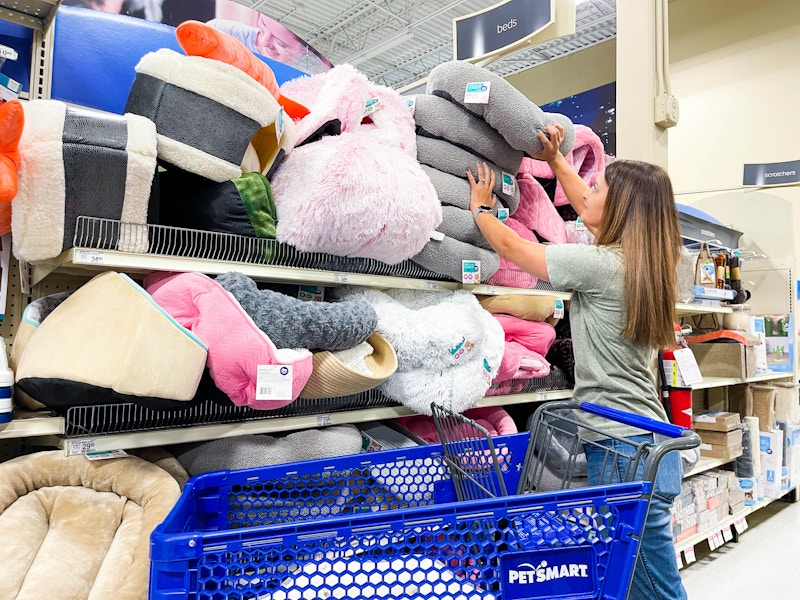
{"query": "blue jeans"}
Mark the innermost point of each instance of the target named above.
(656, 575)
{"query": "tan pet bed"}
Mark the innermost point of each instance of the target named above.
(76, 529)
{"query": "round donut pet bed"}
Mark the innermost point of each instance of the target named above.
(79, 529)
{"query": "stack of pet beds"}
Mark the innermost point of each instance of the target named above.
(453, 134)
(544, 207)
(207, 117)
(79, 529)
(352, 186)
(528, 327)
(448, 348)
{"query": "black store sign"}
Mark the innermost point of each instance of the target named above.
(772, 173)
(500, 26)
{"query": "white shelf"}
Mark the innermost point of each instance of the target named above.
(685, 310)
(715, 382)
(706, 464)
(181, 435)
(727, 522)
(33, 14)
(496, 290)
(79, 261)
(32, 425)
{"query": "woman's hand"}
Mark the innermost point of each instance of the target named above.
(481, 190)
(550, 151)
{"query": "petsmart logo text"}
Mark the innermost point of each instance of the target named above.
(461, 347)
(543, 573)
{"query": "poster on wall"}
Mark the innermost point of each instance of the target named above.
(260, 33)
(595, 108)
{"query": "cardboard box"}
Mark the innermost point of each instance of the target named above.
(721, 438)
(779, 331)
(749, 487)
(716, 421)
(787, 402)
(718, 359)
(791, 452)
(757, 329)
(771, 443)
(726, 453)
(764, 406)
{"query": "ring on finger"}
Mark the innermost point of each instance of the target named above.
(481, 180)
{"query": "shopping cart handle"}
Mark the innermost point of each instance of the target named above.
(627, 418)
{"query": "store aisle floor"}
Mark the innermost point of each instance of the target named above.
(763, 565)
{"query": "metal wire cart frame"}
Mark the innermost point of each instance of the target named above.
(390, 525)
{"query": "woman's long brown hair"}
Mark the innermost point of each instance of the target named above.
(640, 218)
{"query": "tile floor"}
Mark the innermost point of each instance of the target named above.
(763, 565)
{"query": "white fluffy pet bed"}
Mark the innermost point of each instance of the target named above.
(79, 529)
(77, 162)
(448, 347)
(206, 113)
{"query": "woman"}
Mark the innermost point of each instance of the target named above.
(622, 308)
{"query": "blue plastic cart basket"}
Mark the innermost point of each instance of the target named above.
(387, 525)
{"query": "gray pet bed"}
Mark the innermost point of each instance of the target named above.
(451, 190)
(445, 256)
(508, 110)
(460, 225)
(441, 119)
(294, 323)
(446, 157)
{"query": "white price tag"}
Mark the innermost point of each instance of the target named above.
(81, 446)
(559, 311)
(437, 235)
(689, 555)
(274, 382)
(712, 541)
(509, 184)
(373, 105)
(740, 525)
(471, 272)
(580, 225)
(432, 285)
(687, 365)
(341, 277)
(491, 291)
(411, 105)
(324, 420)
(727, 534)
(90, 257)
(502, 214)
(9, 53)
(477, 93)
(280, 126)
(678, 558)
(106, 455)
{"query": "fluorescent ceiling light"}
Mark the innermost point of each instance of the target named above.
(373, 51)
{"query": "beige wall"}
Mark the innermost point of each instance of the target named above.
(736, 73)
(572, 74)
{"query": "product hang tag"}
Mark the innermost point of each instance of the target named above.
(580, 225)
(502, 214)
(509, 184)
(477, 93)
(280, 126)
(411, 105)
(437, 236)
(471, 272)
(274, 382)
(373, 105)
(558, 312)
(687, 365)
(311, 292)
(106, 454)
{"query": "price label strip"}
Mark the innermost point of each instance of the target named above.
(689, 555)
(78, 447)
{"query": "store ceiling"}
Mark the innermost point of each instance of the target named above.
(398, 42)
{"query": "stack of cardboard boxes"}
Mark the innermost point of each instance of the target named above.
(720, 433)
(704, 502)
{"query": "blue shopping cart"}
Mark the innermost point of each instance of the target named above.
(390, 524)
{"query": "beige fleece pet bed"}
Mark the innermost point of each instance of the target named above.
(76, 529)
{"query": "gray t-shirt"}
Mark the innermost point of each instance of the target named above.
(609, 370)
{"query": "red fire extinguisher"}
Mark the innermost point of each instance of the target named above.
(677, 399)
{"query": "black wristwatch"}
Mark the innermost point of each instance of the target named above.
(481, 209)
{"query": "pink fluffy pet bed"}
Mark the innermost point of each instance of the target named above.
(361, 193)
(493, 418)
(587, 158)
(237, 348)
